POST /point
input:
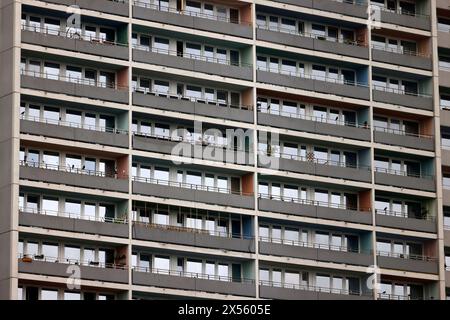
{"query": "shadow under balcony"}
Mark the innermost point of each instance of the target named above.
(54, 267)
(74, 131)
(173, 279)
(316, 84)
(399, 220)
(325, 168)
(411, 263)
(313, 209)
(314, 251)
(72, 177)
(404, 139)
(84, 88)
(192, 20)
(285, 291)
(312, 42)
(192, 192)
(183, 148)
(402, 179)
(189, 105)
(412, 100)
(347, 7)
(190, 62)
(401, 58)
(118, 7)
(313, 125)
(192, 237)
(73, 223)
(66, 41)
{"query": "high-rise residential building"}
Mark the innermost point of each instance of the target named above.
(254, 149)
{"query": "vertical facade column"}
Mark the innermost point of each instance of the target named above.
(10, 12)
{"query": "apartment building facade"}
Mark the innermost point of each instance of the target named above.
(254, 149)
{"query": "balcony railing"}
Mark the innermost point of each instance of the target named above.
(397, 50)
(312, 159)
(306, 287)
(63, 214)
(78, 262)
(400, 11)
(402, 132)
(186, 274)
(302, 116)
(72, 124)
(311, 35)
(69, 33)
(403, 173)
(404, 215)
(400, 91)
(310, 202)
(200, 57)
(191, 186)
(171, 9)
(71, 79)
(70, 169)
(303, 75)
(174, 96)
(405, 256)
(312, 245)
(390, 296)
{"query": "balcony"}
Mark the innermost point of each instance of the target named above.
(404, 179)
(181, 280)
(85, 88)
(444, 75)
(189, 105)
(191, 20)
(313, 209)
(73, 131)
(445, 155)
(192, 192)
(443, 4)
(447, 277)
(406, 19)
(112, 227)
(329, 127)
(401, 57)
(446, 194)
(314, 251)
(313, 83)
(403, 138)
(405, 221)
(445, 117)
(347, 7)
(402, 98)
(287, 291)
(319, 167)
(447, 236)
(118, 7)
(73, 42)
(444, 38)
(89, 270)
(192, 62)
(411, 263)
(193, 237)
(293, 38)
(178, 146)
(72, 176)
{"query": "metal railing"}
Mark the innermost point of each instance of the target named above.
(72, 124)
(87, 263)
(198, 187)
(310, 35)
(339, 122)
(401, 132)
(397, 50)
(400, 91)
(75, 80)
(71, 169)
(400, 11)
(200, 57)
(405, 256)
(313, 160)
(306, 287)
(175, 96)
(311, 202)
(404, 215)
(186, 274)
(214, 233)
(390, 296)
(71, 215)
(189, 13)
(313, 245)
(404, 173)
(69, 33)
(303, 75)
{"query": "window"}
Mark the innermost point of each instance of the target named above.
(50, 206)
(47, 294)
(71, 254)
(162, 263)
